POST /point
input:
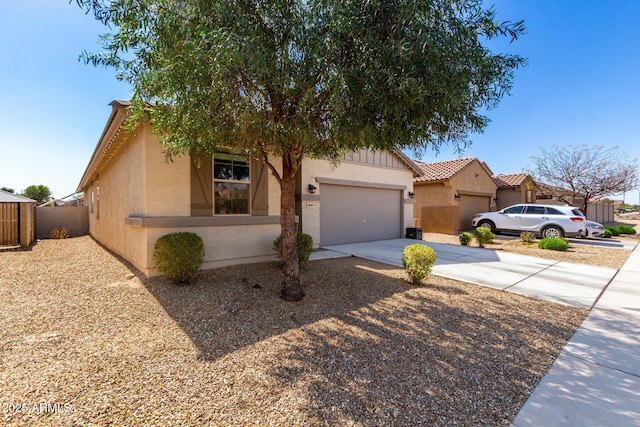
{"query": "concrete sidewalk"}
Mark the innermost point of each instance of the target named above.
(595, 381)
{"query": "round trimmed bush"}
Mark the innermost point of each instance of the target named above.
(305, 247)
(178, 256)
(483, 236)
(417, 261)
(553, 243)
(465, 238)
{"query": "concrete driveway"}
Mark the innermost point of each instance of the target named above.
(577, 285)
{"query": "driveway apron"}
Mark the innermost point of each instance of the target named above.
(562, 282)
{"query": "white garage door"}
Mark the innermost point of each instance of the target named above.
(359, 214)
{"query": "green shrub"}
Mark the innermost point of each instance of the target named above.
(613, 230)
(417, 261)
(465, 238)
(178, 256)
(553, 243)
(625, 229)
(305, 247)
(527, 237)
(483, 236)
(607, 232)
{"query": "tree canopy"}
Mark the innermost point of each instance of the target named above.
(303, 78)
(579, 171)
(39, 193)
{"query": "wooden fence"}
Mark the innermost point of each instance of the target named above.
(9, 222)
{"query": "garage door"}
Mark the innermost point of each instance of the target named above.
(471, 205)
(358, 214)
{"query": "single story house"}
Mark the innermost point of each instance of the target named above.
(514, 188)
(134, 196)
(450, 192)
(17, 220)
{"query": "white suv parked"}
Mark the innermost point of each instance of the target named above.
(543, 220)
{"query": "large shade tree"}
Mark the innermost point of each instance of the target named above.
(582, 172)
(286, 79)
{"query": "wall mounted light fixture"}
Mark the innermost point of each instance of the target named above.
(412, 194)
(457, 196)
(312, 189)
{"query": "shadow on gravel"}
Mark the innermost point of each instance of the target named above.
(233, 307)
(372, 349)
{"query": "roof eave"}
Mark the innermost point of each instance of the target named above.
(119, 114)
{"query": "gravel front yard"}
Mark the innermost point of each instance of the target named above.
(84, 342)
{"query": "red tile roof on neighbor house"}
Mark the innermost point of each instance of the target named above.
(439, 171)
(510, 179)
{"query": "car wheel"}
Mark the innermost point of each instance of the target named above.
(487, 224)
(552, 231)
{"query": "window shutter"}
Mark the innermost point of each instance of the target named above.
(201, 186)
(259, 189)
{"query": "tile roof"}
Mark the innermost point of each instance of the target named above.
(6, 197)
(438, 171)
(510, 179)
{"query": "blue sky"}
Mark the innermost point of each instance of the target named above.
(582, 86)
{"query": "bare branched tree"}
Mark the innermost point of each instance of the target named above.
(581, 172)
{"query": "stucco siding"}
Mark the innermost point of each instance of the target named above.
(474, 178)
(168, 183)
(440, 219)
(115, 193)
(224, 245)
(441, 211)
(439, 199)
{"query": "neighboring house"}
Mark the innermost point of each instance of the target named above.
(513, 189)
(17, 220)
(449, 193)
(134, 196)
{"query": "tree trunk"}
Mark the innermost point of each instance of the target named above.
(291, 289)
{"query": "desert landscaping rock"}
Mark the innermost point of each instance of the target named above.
(84, 341)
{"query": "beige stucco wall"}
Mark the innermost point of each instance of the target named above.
(168, 183)
(474, 180)
(223, 245)
(139, 182)
(436, 206)
(121, 184)
(434, 202)
(348, 171)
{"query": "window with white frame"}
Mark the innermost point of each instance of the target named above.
(231, 184)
